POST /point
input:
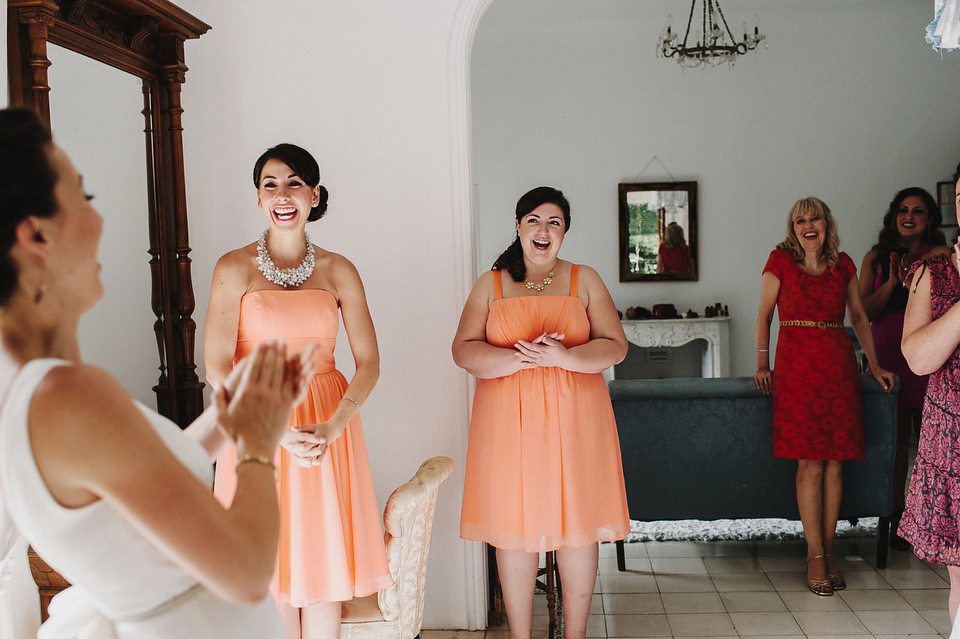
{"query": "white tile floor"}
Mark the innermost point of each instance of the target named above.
(753, 589)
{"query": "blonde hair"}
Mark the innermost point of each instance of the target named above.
(829, 250)
(673, 235)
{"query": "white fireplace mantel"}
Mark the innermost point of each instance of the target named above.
(677, 332)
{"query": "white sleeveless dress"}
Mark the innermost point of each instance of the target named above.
(124, 587)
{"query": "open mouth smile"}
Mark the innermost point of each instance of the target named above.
(285, 213)
(543, 246)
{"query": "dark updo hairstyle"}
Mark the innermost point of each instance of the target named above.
(27, 182)
(889, 239)
(302, 164)
(512, 258)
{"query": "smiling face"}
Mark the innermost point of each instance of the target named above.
(284, 197)
(541, 234)
(912, 218)
(811, 229)
(74, 236)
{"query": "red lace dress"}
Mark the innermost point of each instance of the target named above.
(816, 384)
(930, 521)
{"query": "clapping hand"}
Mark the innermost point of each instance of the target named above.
(545, 350)
(898, 267)
(301, 368)
(254, 403)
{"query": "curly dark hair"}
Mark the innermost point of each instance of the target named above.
(300, 162)
(512, 258)
(889, 239)
(27, 182)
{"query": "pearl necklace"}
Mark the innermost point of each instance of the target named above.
(539, 287)
(284, 276)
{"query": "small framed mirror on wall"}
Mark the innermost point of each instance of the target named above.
(658, 231)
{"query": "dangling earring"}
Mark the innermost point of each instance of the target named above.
(38, 297)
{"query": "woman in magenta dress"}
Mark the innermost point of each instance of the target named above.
(910, 233)
(931, 345)
(331, 543)
(815, 385)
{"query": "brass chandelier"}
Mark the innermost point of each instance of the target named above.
(712, 46)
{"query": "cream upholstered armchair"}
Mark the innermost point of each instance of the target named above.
(397, 612)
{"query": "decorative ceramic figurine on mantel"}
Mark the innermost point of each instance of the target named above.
(717, 310)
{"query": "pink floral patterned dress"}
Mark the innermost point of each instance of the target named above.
(930, 521)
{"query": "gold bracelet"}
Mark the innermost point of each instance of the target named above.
(350, 399)
(260, 459)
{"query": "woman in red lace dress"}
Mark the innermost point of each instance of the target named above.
(931, 345)
(816, 386)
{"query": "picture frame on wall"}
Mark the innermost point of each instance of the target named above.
(948, 209)
(658, 231)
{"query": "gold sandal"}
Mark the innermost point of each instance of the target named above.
(837, 581)
(819, 587)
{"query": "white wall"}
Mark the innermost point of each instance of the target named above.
(848, 103)
(5, 94)
(95, 117)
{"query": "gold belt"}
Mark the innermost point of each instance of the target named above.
(812, 324)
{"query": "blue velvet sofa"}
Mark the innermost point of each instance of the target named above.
(702, 449)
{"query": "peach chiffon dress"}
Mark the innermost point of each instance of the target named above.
(331, 541)
(543, 462)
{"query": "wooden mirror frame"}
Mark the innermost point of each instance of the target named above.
(689, 189)
(144, 38)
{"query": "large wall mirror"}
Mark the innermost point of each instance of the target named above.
(658, 231)
(107, 75)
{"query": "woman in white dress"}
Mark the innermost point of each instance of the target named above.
(112, 495)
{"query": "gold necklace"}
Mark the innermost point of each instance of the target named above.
(539, 287)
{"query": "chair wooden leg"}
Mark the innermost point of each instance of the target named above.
(495, 592)
(558, 632)
(551, 591)
(883, 541)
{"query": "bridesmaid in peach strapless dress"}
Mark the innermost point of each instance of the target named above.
(331, 542)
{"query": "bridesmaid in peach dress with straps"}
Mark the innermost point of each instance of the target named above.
(331, 541)
(543, 464)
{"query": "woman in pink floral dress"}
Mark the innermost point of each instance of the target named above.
(931, 345)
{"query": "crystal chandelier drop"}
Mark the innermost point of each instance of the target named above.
(712, 47)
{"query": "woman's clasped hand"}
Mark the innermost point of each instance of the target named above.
(545, 350)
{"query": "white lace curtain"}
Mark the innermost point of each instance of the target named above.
(944, 31)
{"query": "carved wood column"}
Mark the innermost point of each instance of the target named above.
(27, 62)
(166, 403)
(188, 386)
